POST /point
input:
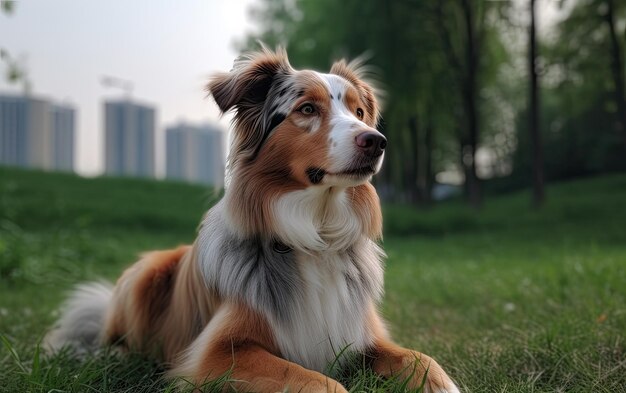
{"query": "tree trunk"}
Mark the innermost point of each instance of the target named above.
(413, 161)
(469, 151)
(535, 132)
(428, 163)
(470, 97)
(617, 68)
(464, 154)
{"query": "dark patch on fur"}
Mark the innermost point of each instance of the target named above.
(281, 248)
(253, 269)
(258, 91)
(360, 281)
(274, 122)
(315, 175)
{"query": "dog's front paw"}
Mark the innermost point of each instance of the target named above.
(414, 368)
(437, 381)
(448, 388)
(326, 386)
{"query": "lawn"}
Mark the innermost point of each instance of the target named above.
(507, 300)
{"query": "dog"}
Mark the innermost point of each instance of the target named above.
(286, 270)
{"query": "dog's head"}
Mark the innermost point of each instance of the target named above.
(298, 131)
(321, 127)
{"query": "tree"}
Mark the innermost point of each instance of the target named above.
(15, 71)
(7, 6)
(617, 66)
(579, 109)
(463, 29)
(535, 133)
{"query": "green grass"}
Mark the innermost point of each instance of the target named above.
(507, 300)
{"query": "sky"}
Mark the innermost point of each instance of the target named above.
(166, 48)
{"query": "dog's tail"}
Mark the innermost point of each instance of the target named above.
(80, 326)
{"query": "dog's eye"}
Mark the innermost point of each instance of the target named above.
(307, 109)
(359, 113)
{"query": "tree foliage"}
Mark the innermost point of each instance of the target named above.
(14, 69)
(7, 6)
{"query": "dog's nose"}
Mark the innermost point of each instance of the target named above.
(372, 143)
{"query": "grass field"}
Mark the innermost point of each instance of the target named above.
(508, 300)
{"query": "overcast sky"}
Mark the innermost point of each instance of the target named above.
(166, 48)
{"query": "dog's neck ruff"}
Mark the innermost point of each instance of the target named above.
(315, 293)
(316, 218)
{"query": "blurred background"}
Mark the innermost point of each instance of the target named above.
(503, 187)
(479, 96)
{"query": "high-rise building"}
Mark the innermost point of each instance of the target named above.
(195, 154)
(63, 140)
(175, 146)
(35, 133)
(129, 130)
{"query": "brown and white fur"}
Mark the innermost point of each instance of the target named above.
(286, 270)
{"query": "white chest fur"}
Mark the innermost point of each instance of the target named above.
(328, 318)
(339, 286)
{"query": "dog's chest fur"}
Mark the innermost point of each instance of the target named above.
(316, 301)
(330, 315)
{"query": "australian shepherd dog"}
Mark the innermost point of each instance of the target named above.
(286, 270)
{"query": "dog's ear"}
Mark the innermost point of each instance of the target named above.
(247, 84)
(245, 88)
(356, 73)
